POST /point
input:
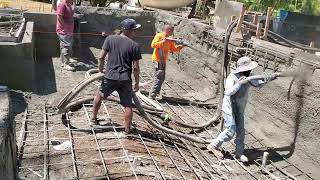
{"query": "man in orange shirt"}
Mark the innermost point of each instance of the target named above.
(162, 47)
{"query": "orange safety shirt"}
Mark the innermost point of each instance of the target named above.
(168, 46)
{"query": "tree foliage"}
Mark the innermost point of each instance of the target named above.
(309, 7)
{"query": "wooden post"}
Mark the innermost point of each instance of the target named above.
(258, 32)
(255, 19)
(266, 27)
(240, 20)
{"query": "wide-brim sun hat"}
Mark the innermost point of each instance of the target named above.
(129, 24)
(245, 64)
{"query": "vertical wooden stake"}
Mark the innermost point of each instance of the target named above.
(240, 20)
(266, 27)
(258, 32)
(255, 19)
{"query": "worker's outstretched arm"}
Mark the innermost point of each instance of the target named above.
(158, 41)
(101, 60)
(136, 74)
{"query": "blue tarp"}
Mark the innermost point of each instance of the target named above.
(283, 14)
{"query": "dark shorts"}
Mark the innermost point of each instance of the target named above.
(124, 89)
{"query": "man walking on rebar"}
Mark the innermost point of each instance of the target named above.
(162, 46)
(123, 55)
(65, 29)
(233, 107)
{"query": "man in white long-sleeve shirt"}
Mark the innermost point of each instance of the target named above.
(233, 107)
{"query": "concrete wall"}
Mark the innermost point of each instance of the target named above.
(17, 62)
(45, 37)
(8, 156)
(104, 19)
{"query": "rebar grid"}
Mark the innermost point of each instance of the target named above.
(271, 175)
(206, 166)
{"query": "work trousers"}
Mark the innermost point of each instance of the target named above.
(66, 42)
(159, 78)
(233, 125)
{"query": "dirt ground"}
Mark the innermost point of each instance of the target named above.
(32, 6)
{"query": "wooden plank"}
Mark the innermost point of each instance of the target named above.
(255, 19)
(240, 20)
(266, 27)
(258, 32)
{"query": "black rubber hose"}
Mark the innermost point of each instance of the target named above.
(224, 67)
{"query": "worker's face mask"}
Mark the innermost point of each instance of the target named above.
(246, 73)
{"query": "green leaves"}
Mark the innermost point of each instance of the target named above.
(309, 7)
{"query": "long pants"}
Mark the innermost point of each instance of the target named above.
(232, 126)
(66, 42)
(160, 76)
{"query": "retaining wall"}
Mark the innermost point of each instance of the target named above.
(17, 62)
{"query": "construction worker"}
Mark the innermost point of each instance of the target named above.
(65, 29)
(162, 46)
(233, 107)
(123, 55)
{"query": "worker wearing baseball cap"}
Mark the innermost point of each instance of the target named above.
(123, 55)
(233, 107)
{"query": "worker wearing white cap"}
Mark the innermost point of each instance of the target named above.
(233, 107)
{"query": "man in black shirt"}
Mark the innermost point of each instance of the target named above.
(123, 55)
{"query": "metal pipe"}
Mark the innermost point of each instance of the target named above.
(264, 159)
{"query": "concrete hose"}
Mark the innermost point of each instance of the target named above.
(76, 90)
(90, 72)
(65, 105)
(83, 100)
(143, 113)
(164, 129)
(224, 66)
